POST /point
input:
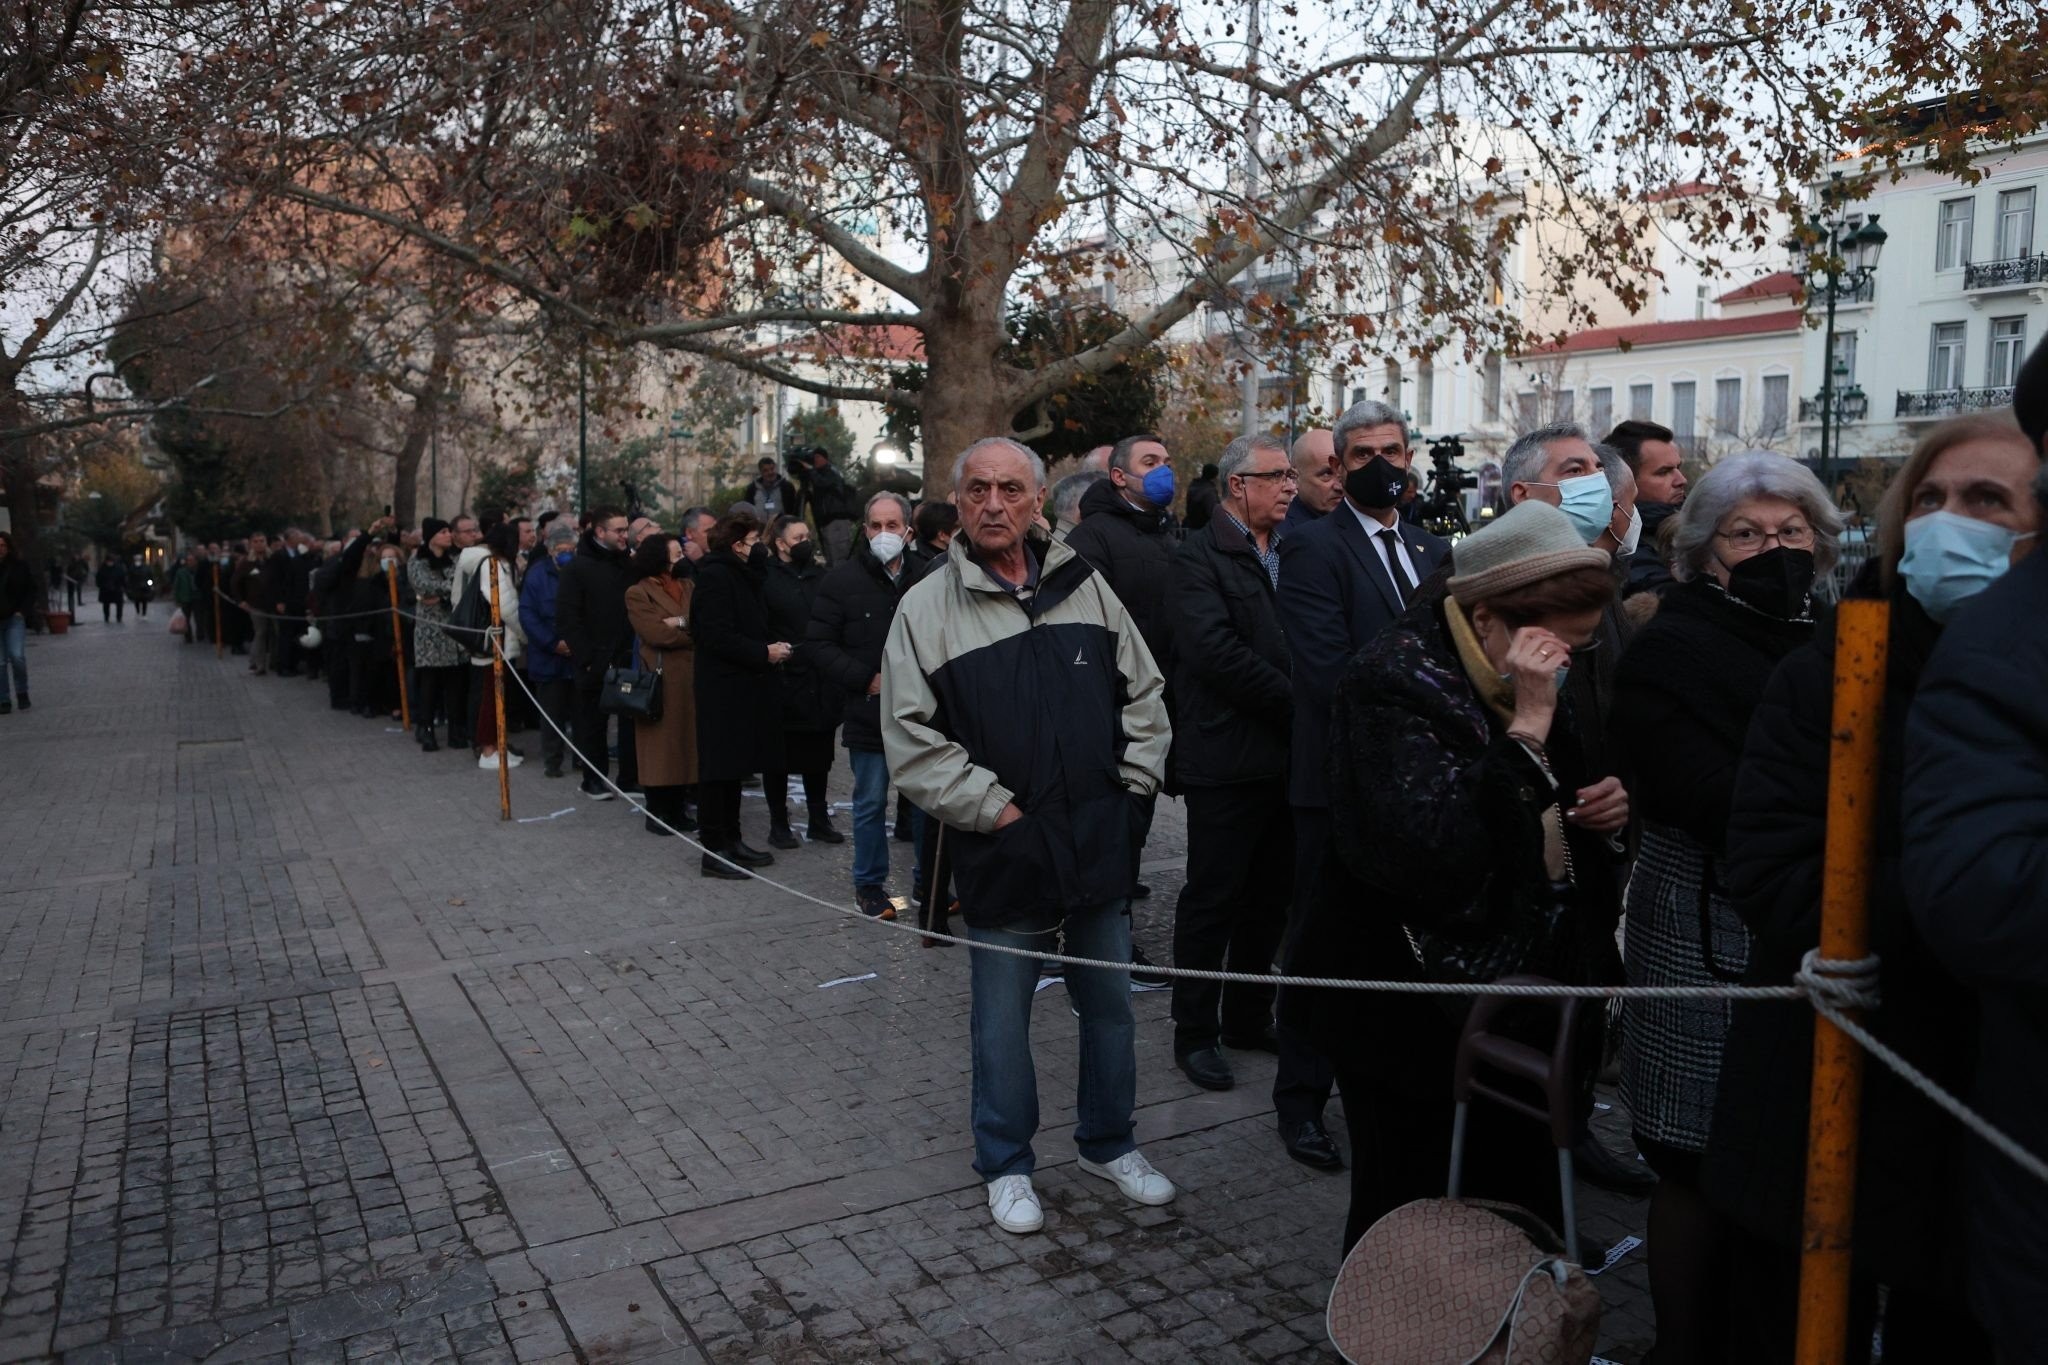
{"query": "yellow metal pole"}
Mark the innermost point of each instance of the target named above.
(398, 646)
(1862, 631)
(490, 566)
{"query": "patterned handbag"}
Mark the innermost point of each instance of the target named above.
(1462, 1282)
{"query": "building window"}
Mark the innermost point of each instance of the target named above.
(1567, 405)
(1491, 399)
(1945, 356)
(1641, 399)
(1844, 367)
(1357, 396)
(1728, 407)
(1425, 394)
(1957, 218)
(1528, 411)
(1699, 301)
(2015, 224)
(1777, 405)
(1601, 413)
(2008, 349)
(1682, 400)
(1393, 383)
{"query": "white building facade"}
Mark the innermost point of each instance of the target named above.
(1959, 295)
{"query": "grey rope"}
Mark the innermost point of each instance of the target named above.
(312, 617)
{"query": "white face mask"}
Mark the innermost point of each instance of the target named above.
(1634, 535)
(886, 547)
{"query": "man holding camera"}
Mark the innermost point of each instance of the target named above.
(833, 505)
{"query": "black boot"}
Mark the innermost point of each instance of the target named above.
(425, 735)
(781, 836)
(821, 830)
(714, 867)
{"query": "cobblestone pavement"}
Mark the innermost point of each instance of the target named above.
(304, 1053)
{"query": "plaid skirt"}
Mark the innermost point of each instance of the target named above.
(1682, 931)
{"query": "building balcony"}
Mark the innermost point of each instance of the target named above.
(2018, 272)
(1929, 404)
(1851, 405)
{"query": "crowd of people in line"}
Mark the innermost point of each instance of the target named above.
(1588, 742)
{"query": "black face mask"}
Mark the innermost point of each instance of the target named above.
(803, 554)
(1778, 583)
(757, 558)
(1376, 484)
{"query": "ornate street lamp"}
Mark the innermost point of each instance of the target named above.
(1831, 275)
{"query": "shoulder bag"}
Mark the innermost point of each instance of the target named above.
(633, 692)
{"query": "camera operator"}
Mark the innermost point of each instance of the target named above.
(832, 501)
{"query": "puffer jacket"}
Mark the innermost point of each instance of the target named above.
(1048, 698)
(1132, 551)
(537, 619)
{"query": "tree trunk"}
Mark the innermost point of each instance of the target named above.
(965, 399)
(419, 432)
(19, 470)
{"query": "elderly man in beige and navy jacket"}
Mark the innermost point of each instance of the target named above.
(1021, 708)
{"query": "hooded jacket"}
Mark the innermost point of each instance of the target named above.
(1047, 697)
(537, 617)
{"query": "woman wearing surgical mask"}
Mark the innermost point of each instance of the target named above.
(1757, 533)
(810, 701)
(1957, 515)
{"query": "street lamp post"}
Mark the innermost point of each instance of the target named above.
(1834, 278)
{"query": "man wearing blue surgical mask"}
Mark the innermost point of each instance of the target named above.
(1124, 521)
(549, 666)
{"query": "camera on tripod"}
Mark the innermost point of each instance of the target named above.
(1442, 509)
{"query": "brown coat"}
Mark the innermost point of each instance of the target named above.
(668, 750)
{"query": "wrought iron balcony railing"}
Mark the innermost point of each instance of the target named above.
(2016, 272)
(1952, 402)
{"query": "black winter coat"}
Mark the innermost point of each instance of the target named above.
(1454, 814)
(739, 704)
(1233, 703)
(810, 701)
(831, 500)
(1134, 555)
(19, 595)
(590, 609)
(1975, 867)
(112, 581)
(1202, 503)
(1648, 570)
(291, 578)
(850, 618)
(1908, 1216)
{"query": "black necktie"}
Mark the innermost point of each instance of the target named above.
(1392, 540)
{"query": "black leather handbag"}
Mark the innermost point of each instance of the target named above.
(632, 691)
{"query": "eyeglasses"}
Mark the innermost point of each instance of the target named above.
(1750, 538)
(1285, 475)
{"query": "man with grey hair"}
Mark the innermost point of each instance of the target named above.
(1066, 501)
(1233, 663)
(1343, 580)
(1592, 485)
(550, 665)
(1318, 483)
(1021, 707)
(850, 617)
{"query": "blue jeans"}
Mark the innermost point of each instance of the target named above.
(1006, 1084)
(14, 647)
(871, 821)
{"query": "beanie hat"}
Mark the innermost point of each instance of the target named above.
(2030, 396)
(561, 533)
(431, 527)
(1530, 542)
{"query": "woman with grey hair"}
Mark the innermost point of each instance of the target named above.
(1756, 532)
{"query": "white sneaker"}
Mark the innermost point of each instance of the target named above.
(491, 761)
(1015, 1204)
(1135, 1177)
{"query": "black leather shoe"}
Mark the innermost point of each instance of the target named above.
(425, 735)
(1265, 1041)
(1311, 1145)
(782, 837)
(821, 832)
(1594, 1164)
(749, 857)
(712, 867)
(1205, 1067)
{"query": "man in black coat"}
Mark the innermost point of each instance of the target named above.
(1656, 461)
(1343, 579)
(772, 495)
(1123, 528)
(291, 582)
(1233, 705)
(850, 618)
(1318, 483)
(590, 613)
(1203, 498)
(1976, 815)
(833, 505)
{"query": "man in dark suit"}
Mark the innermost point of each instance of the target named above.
(1343, 579)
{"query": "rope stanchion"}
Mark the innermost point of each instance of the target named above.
(490, 565)
(1862, 636)
(398, 647)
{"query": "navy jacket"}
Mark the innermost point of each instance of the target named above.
(1335, 598)
(537, 618)
(1976, 877)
